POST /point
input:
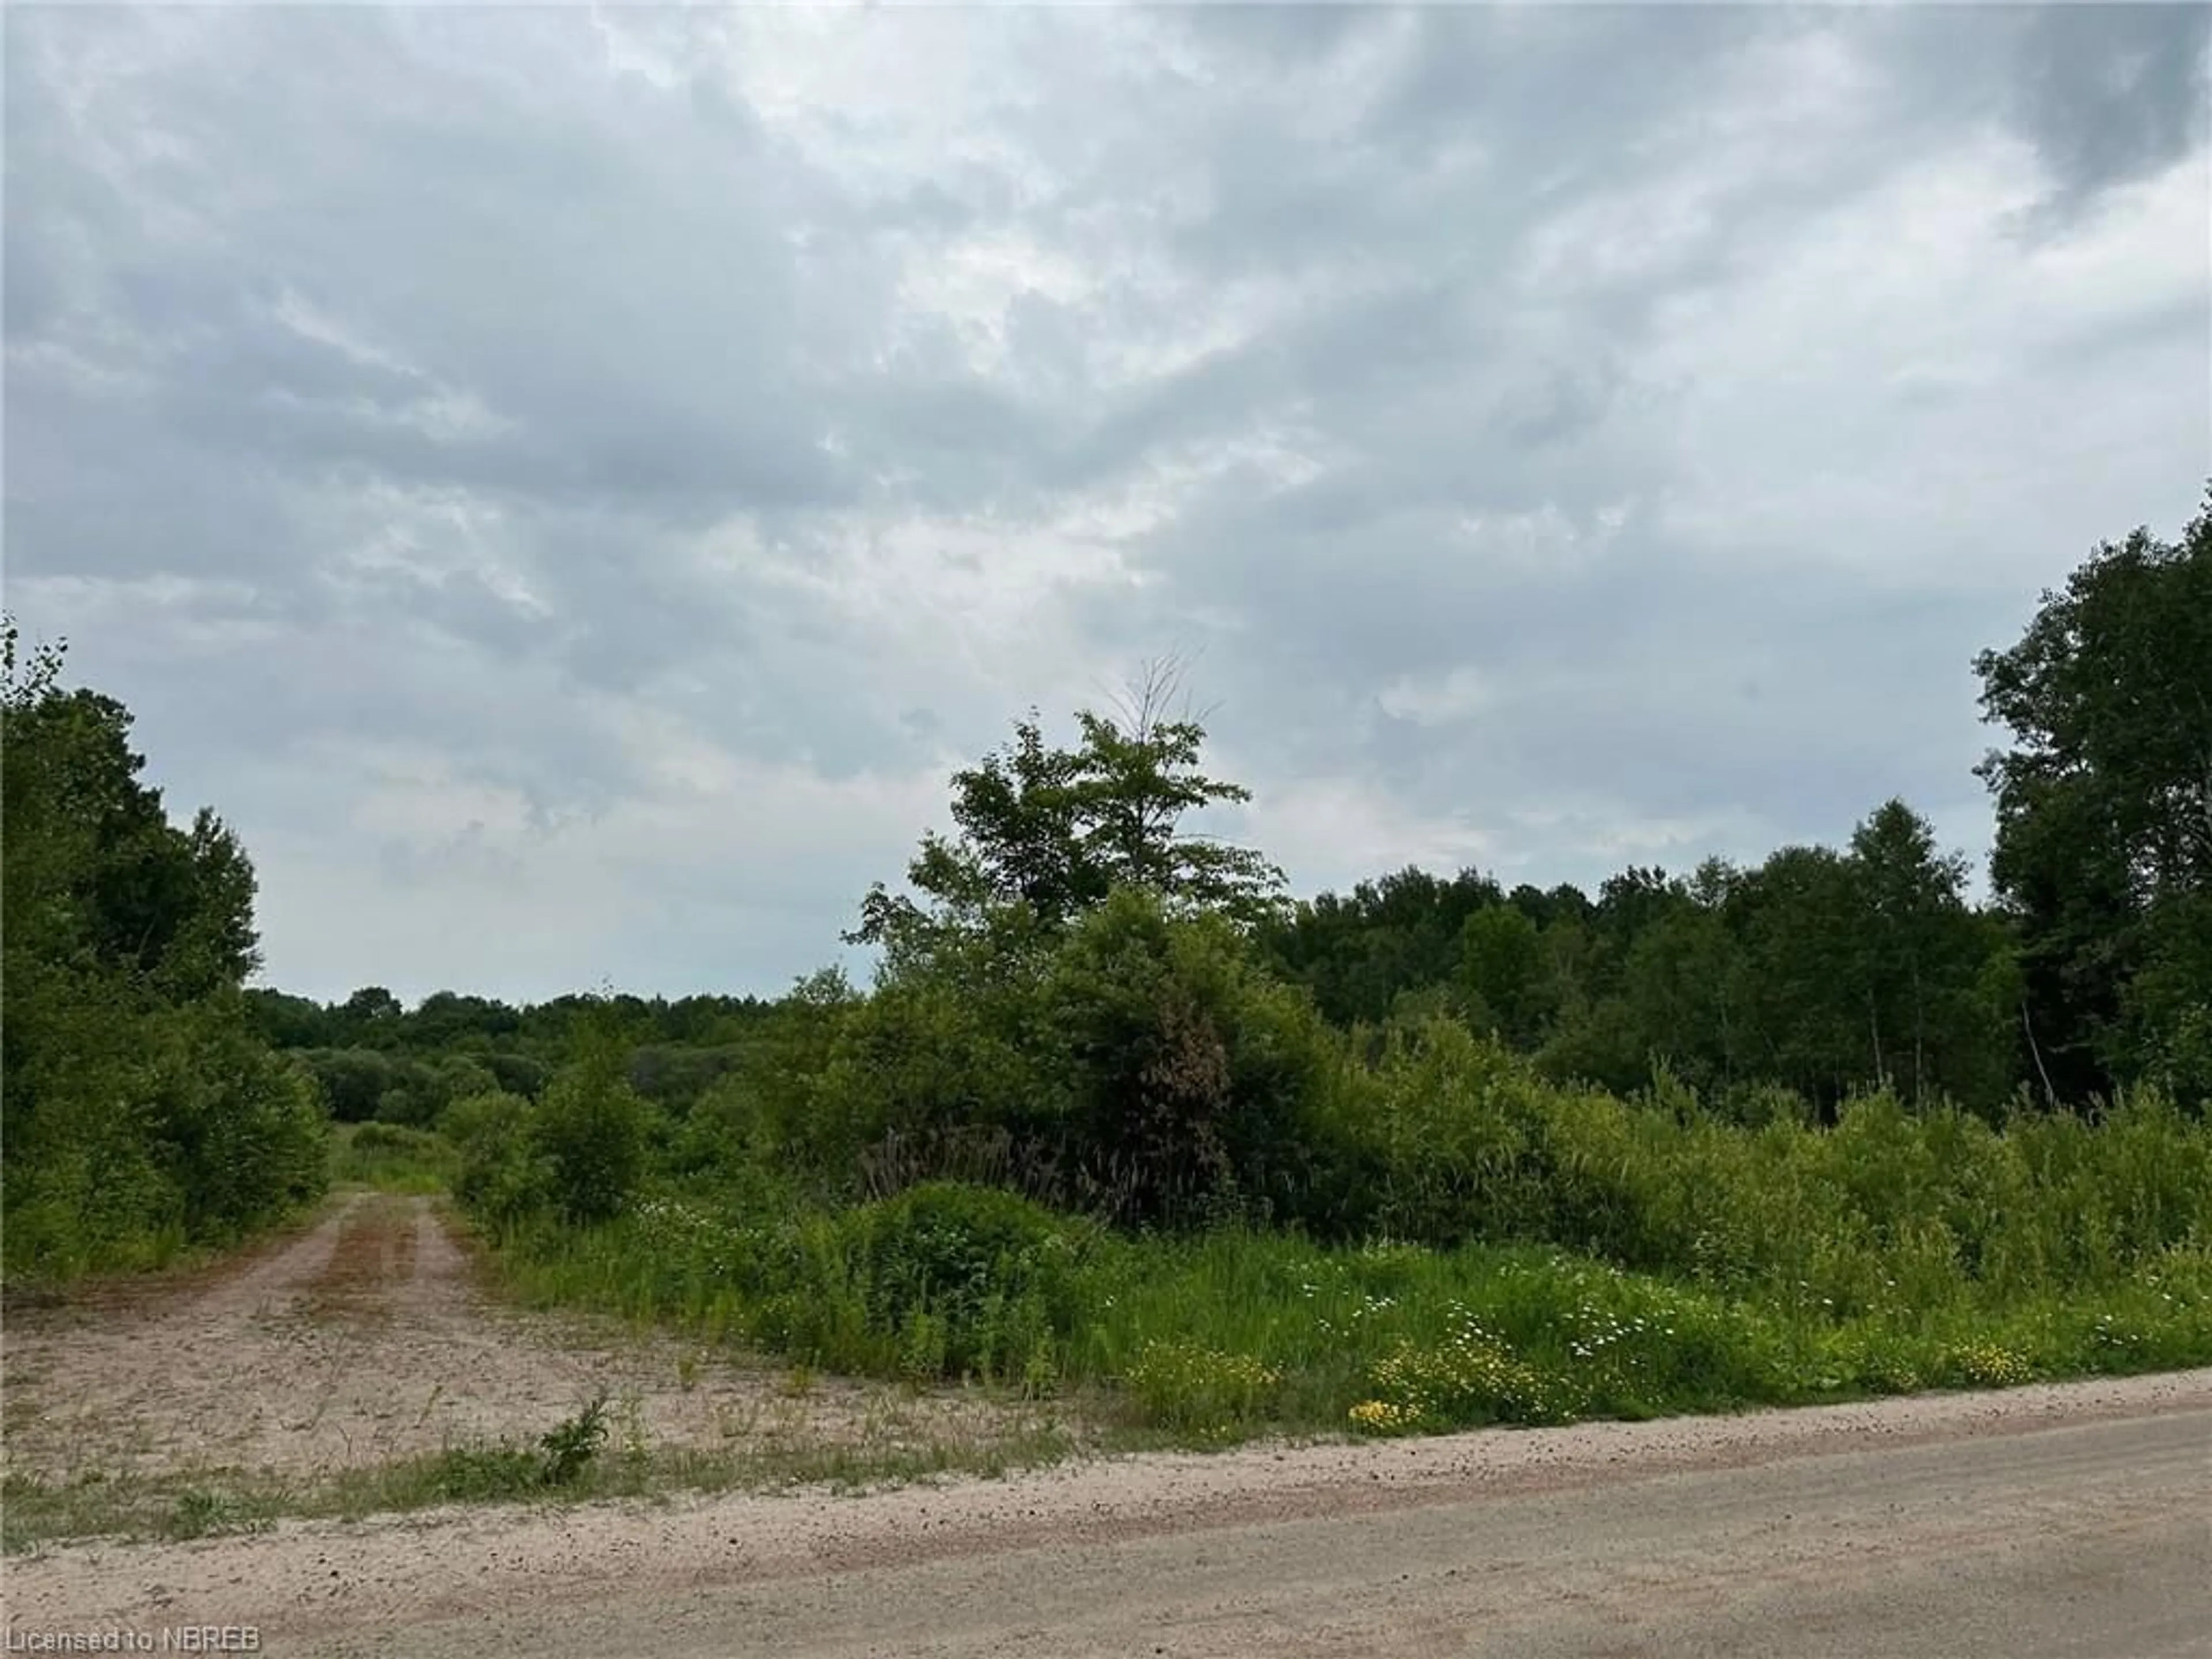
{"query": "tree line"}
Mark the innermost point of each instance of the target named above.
(1134, 1016)
(375, 1058)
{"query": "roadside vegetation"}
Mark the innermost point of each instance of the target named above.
(583, 1457)
(1628, 1258)
(142, 1116)
(1117, 1117)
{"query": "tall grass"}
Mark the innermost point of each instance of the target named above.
(392, 1157)
(1605, 1258)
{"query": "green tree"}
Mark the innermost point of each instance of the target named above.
(590, 1128)
(1502, 973)
(288, 1022)
(1362, 954)
(1193, 1074)
(1797, 916)
(1684, 987)
(1056, 830)
(371, 1017)
(1919, 962)
(2105, 800)
(141, 1111)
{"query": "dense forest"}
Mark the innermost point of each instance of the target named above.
(1827, 1089)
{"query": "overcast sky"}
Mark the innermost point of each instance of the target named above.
(569, 485)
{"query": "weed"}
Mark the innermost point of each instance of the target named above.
(476, 1474)
(200, 1511)
(1199, 1391)
(570, 1446)
(34, 1512)
(635, 1441)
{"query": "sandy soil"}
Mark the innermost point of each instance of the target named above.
(2070, 1520)
(369, 1339)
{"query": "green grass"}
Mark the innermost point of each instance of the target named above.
(390, 1157)
(1236, 1333)
(1629, 1261)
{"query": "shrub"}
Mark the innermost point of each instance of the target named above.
(353, 1081)
(502, 1176)
(590, 1129)
(561, 1457)
(238, 1123)
(965, 1278)
(944, 1053)
(1192, 1076)
(1453, 1122)
(516, 1074)
(569, 1446)
(675, 1076)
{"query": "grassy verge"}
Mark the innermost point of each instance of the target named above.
(585, 1458)
(1239, 1332)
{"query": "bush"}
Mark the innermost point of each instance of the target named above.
(516, 1074)
(675, 1077)
(1452, 1126)
(590, 1129)
(353, 1081)
(939, 1054)
(238, 1123)
(503, 1177)
(972, 1279)
(562, 1456)
(1193, 1077)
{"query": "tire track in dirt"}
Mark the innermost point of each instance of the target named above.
(369, 1338)
(117, 1379)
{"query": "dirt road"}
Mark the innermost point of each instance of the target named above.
(367, 1338)
(2070, 1523)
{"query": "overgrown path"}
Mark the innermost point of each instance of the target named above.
(370, 1338)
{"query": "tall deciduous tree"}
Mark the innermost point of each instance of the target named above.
(1502, 972)
(1921, 960)
(1054, 831)
(2105, 800)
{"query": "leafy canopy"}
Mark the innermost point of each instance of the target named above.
(1051, 832)
(2109, 697)
(2104, 843)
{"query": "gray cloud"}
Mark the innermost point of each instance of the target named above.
(567, 485)
(2114, 93)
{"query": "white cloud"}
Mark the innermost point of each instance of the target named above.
(569, 486)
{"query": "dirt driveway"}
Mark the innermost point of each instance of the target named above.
(369, 1339)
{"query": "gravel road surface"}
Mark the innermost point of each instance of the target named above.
(2072, 1521)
